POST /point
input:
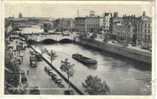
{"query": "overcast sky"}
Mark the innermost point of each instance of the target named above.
(70, 10)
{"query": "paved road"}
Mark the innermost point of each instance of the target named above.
(38, 77)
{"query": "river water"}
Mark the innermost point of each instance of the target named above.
(123, 76)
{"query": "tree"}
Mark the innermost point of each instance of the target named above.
(94, 86)
(52, 55)
(43, 50)
(67, 67)
(46, 27)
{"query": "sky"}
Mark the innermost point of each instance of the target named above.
(61, 10)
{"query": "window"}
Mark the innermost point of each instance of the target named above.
(149, 25)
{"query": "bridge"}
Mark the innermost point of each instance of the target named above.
(39, 37)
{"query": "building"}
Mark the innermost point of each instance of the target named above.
(144, 31)
(106, 22)
(89, 24)
(106, 25)
(80, 24)
(123, 29)
(64, 24)
(132, 19)
(93, 24)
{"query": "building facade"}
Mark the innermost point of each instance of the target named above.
(89, 24)
(106, 22)
(64, 24)
(93, 24)
(144, 31)
(80, 24)
(123, 29)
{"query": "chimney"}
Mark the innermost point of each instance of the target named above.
(92, 13)
(144, 13)
(115, 14)
(78, 13)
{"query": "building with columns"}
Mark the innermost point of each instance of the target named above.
(89, 24)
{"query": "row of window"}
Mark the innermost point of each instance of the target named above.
(92, 25)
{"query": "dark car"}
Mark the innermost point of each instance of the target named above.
(68, 92)
(35, 90)
(33, 61)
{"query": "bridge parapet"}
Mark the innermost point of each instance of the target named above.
(53, 37)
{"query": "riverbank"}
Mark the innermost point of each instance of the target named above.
(136, 55)
(133, 54)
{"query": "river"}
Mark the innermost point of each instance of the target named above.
(123, 76)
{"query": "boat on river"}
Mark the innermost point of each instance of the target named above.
(84, 60)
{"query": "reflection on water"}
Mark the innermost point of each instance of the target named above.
(122, 75)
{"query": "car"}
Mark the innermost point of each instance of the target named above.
(59, 81)
(51, 73)
(39, 58)
(68, 92)
(35, 90)
(61, 85)
(54, 78)
(47, 70)
(23, 79)
(33, 61)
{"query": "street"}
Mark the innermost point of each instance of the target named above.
(38, 77)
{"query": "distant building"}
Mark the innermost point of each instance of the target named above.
(144, 31)
(64, 24)
(80, 24)
(92, 24)
(20, 15)
(8, 27)
(132, 19)
(117, 27)
(89, 24)
(106, 22)
(123, 30)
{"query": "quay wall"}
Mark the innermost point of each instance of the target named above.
(119, 50)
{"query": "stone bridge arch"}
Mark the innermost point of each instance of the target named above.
(50, 38)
